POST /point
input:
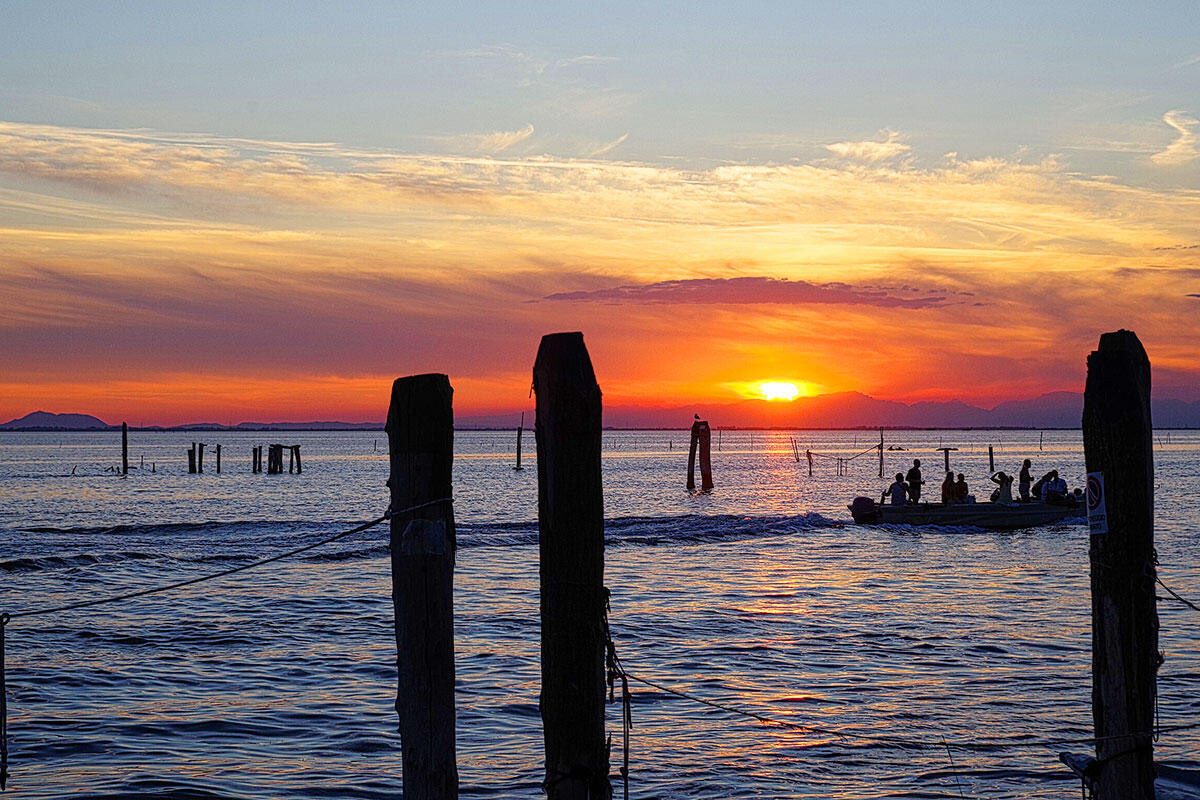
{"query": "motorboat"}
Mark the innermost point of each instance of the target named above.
(994, 516)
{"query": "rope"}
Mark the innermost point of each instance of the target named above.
(616, 671)
(1176, 595)
(180, 584)
(900, 741)
(5, 618)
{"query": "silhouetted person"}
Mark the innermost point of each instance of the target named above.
(948, 496)
(914, 481)
(897, 491)
(1055, 489)
(1004, 493)
(960, 489)
(1024, 479)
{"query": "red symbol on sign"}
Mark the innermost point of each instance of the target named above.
(1095, 493)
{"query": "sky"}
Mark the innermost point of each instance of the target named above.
(260, 211)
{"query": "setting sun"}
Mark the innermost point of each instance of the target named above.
(779, 390)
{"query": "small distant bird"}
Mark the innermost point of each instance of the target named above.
(697, 416)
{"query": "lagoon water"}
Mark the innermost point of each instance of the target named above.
(279, 682)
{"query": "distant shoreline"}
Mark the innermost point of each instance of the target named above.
(158, 429)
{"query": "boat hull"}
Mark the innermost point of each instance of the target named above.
(993, 516)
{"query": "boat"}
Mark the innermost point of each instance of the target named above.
(993, 516)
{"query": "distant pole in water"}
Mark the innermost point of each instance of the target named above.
(571, 553)
(718, 440)
(192, 459)
(1040, 435)
(299, 467)
(991, 460)
(946, 453)
(200, 458)
(520, 428)
(881, 452)
(420, 429)
(124, 448)
(218, 449)
(1118, 451)
(808, 455)
(701, 440)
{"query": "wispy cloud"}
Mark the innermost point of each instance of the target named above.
(1187, 62)
(486, 143)
(871, 151)
(758, 289)
(1186, 148)
(608, 147)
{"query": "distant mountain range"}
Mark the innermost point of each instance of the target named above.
(841, 410)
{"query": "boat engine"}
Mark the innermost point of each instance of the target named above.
(863, 509)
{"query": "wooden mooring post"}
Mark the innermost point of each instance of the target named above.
(192, 459)
(299, 466)
(991, 461)
(946, 454)
(571, 547)
(881, 452)
(200, 458)
(420, 430)
(520, 429)
(1118, 451)
(218, 449)
(702, 441)
(124, 448)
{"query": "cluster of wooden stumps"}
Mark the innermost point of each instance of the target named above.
(196, 457)
(571, 550)
(275, 459)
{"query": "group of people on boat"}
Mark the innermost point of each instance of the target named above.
(1050, 488)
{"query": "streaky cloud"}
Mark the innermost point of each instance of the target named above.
(1186, 148)
(871, 151)
(758, 289)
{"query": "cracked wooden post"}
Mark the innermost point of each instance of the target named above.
(124, 448)
(420, 430)
(218, 448)
(1118, 450)
(571, 548)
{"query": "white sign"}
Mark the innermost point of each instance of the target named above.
(1097, 516)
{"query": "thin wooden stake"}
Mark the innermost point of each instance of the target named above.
(1118, 451)
(124, 448)
(218, 448)
(571, 546)
(420, 429)
(520, 428)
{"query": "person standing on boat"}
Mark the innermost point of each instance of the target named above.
(949, 495)
(1004, 493)
(897, 491)
(914, 481)
(1024, 480)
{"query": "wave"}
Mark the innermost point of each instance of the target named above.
(41, 563)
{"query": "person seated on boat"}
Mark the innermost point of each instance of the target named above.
(1038, 490)
(1055, 489)
(961, 493)
(1003, 493)
(1024, 480)
(949, 496)
(898, 491)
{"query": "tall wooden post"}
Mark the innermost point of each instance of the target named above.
(218, 459)
(1118, 451)
(991, 460)
(299, 466)
(124, 448)
(200, 458)
(291, 460)
(520, 428)
(192, 458)
(881, 452)
(420, 429)
(706, 481)
(692, 444)
(571, 544)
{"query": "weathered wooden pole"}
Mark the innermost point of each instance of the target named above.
(218, 459)
(420, 430)
(881, 452)
(1118, 451)
(291, 459)
(200, 458)
(299, 466)
(124, 448)
(571, 544)
(520, 428)
(991, 460)
(808, 455)
(192, 458)
(706, 481)
(692, 444)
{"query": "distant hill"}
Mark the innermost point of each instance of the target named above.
(840, 410)
(45, 421)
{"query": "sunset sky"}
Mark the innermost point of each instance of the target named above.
(228, 212)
